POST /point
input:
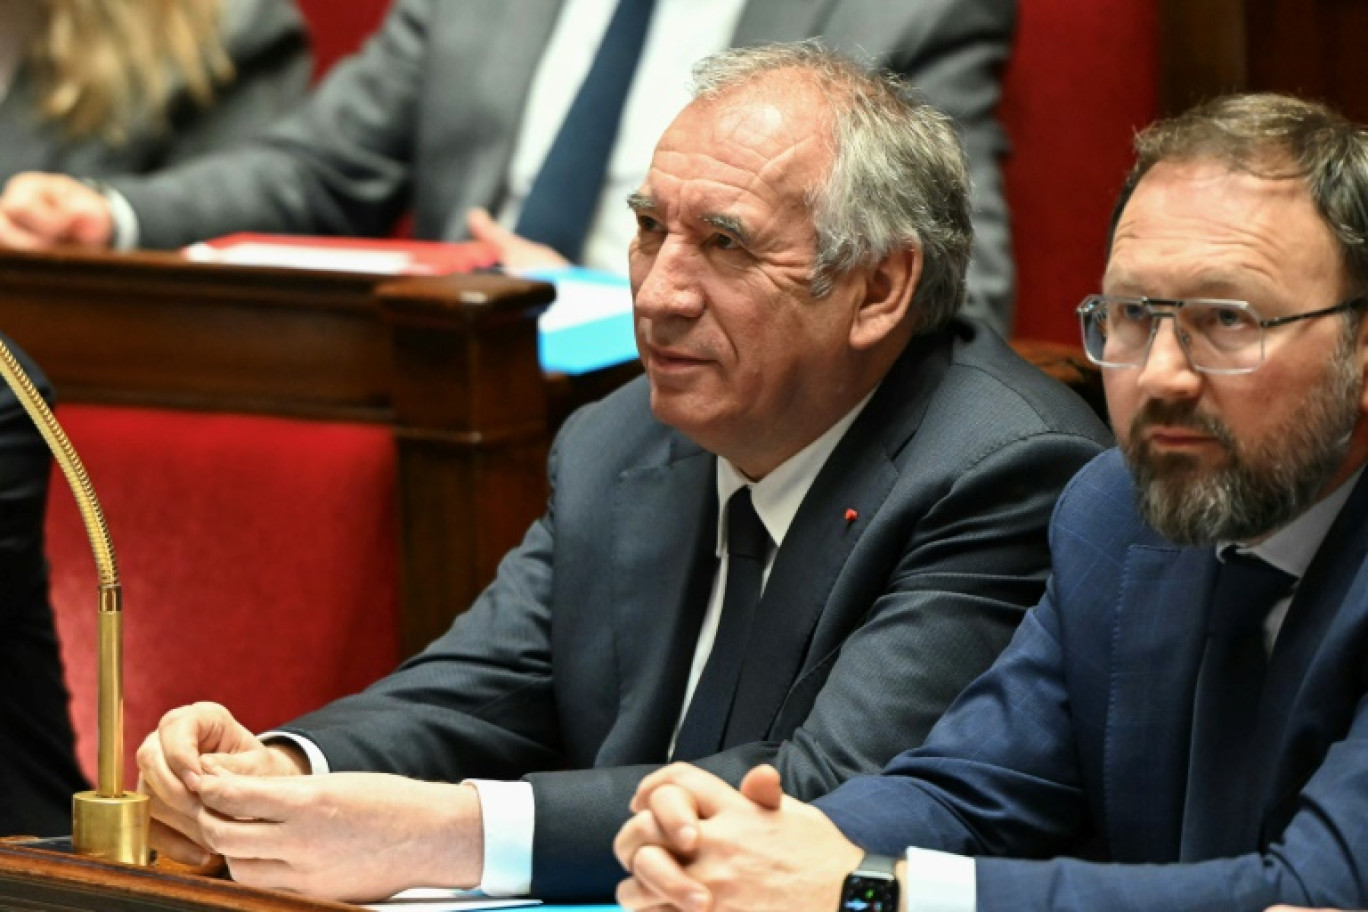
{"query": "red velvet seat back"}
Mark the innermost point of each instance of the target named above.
(258, 556)
(1082, 79)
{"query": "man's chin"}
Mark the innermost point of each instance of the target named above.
(1175, 467)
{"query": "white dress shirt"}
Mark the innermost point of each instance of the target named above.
(944, 882)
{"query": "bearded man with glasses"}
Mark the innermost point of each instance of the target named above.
(1182, 722)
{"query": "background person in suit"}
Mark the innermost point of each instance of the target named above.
(131, 86)
(1131, 733)
(449, 112)
(802, 238)
(38, 771)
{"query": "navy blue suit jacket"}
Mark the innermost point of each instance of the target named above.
(1075, 743)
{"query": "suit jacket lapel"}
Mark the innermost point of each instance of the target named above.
(780, 20)
(1319, 642)
(664, 523)
(858, 475)
(1158, 639)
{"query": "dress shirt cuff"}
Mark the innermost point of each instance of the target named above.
(125, 220)
(939, 882)
(509, 814)
(318, 764)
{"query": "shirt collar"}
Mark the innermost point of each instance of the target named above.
(1292, 547)
(778, 495)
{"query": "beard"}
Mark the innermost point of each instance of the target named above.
(1262, 486)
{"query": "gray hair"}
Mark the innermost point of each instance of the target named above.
(898, 175)
(1274, 136)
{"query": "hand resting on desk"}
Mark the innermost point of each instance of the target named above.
(44, 210)
(217, 788)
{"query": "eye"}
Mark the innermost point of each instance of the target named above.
(725, 242)
(1230, 317)
(1130, 312)
(647, 224)
(1216, 318)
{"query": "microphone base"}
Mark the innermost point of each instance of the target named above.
(111, 828)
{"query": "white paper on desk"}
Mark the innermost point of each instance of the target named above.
(434, 899)
(296, 256)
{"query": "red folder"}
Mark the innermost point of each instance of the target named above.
(375, 255)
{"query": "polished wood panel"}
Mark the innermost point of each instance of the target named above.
(37, 880)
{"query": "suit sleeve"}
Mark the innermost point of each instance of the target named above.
(338, 166)
(476, 703)
(970, 565)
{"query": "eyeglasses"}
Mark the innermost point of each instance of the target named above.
(1218, 337)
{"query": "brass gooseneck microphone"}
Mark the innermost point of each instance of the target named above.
(108, 822)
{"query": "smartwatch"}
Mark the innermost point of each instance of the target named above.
(871, 887)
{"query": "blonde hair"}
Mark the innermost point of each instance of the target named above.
(106, 67)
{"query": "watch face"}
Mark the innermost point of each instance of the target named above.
(869, 894)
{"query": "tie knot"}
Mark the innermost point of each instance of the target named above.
(1247, 587)
(746, 535)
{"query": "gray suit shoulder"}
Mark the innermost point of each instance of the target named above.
(1006, 388)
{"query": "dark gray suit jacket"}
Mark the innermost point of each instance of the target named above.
(570, 669)
(426, 118)
(267, 43)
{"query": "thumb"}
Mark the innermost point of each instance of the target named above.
(762, 786)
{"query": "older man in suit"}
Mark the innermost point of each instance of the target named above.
(450, 111)
(1182, 723)
(817, 517)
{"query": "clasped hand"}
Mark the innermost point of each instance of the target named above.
(216, 788)
(696, 844)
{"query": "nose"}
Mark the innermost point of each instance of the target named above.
(1167, 372)
(668, 283)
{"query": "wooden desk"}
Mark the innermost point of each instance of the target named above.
(449, 364)
(45, 881)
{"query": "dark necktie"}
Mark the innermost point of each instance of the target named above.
(747, 546)
(565, 194)
(1222, 808)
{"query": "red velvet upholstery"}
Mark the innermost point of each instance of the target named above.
(259, 561)
(337, 27)
(1082, 79)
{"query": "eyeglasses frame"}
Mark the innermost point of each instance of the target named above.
(1089, 304)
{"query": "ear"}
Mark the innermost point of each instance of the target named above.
(888, 290)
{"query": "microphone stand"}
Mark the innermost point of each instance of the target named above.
(108, 822)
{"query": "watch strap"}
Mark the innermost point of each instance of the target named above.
(877, 864)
